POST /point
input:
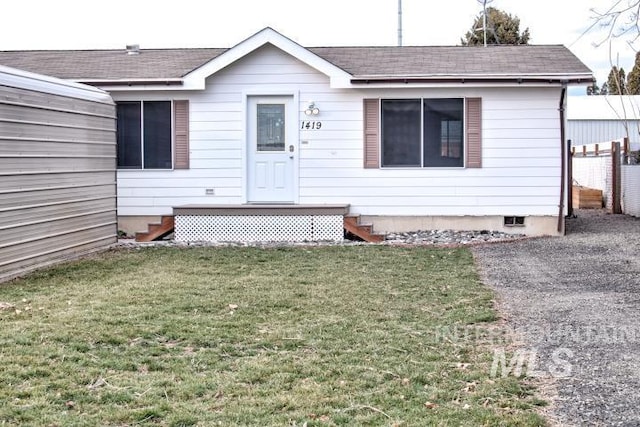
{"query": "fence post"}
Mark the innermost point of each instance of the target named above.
(615, 177)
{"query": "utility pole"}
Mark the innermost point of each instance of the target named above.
(399, 22)
(484, 21)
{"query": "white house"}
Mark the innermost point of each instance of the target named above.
(406, 137)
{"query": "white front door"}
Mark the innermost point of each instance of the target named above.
(272, 147)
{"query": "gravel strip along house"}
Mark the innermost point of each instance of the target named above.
(270, 140)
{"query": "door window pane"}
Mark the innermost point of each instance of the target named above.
(270, 127)
(401, 132)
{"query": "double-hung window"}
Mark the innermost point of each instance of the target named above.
(144, 130)
(422, 132)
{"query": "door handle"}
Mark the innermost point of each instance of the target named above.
(291, 150)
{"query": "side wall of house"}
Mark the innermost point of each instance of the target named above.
(520, 174)
(57, 171)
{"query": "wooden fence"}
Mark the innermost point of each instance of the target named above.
(605, 166)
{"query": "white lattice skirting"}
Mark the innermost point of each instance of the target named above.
(258, 228)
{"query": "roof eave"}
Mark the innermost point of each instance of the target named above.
(556, 79)
(147, 84)
(131, 82)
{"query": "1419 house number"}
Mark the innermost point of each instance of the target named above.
(310, 125)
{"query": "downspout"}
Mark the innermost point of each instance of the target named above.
(563, 161)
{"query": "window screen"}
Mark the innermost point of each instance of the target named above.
(443, 132)
(401, 134)
(157, 135)
(129, 135)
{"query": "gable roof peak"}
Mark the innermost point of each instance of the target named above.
(267, 36)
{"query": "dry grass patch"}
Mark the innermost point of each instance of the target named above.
(245, 336)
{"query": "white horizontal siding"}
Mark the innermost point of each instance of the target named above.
(161, 193)
(521, 124)
(452, 201)
(440, 174)
(519, 151)
(417, 184)
(222, 135)
(493, 134)
(520, 173)
(129, 184)
(398, 193)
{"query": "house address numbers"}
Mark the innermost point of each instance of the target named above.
(310, 125)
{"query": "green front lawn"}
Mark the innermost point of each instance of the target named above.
(316, 336)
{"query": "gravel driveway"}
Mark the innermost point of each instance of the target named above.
(575, 300)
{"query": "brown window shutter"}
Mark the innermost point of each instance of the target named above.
(474, 132)
(181, 134)
(371, 133)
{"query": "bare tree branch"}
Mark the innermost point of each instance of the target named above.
(620, 20)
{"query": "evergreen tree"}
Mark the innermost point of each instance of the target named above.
(616, 82)
(594, 89)
(633, 78)
(502, 28)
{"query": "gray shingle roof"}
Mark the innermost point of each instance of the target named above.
(358, 61)
(453, 60)
(109, 64)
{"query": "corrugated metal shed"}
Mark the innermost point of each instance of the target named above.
(57, 171)
(595, 119)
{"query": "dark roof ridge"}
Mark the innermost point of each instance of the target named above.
(437, 46)
(156, 49)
